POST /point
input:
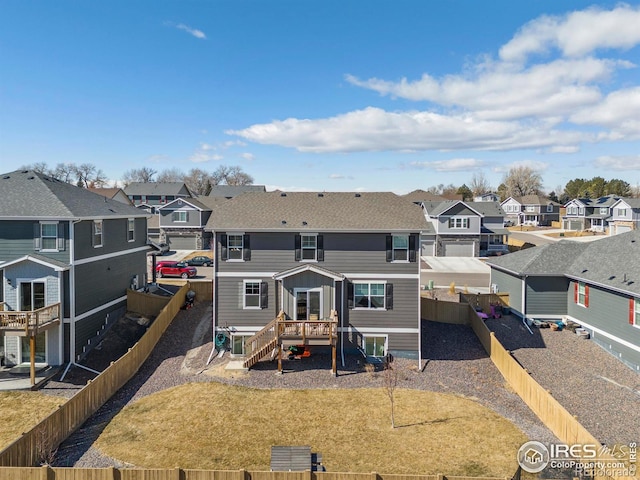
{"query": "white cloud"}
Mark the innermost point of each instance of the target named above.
(620, 162)
(577, 33)
(453, 165)
(563, 149)
(619, 111)
(536, 165)
(248, 156)
(192, 31)
(206, 146)
(201, 157)
(374, 129)
(338, 176)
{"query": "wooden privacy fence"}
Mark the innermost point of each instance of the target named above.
(146, 304)
(56, 473)
(444, 312)
(54, 429)
(203, 288)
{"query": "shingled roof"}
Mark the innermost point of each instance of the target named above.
(156, 188)
(28, 194)
(423, 196)
(318, 211)
(230, 191)
(613, 262)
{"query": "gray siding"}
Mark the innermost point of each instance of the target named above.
(88, 329)
(114, 237)
(343, 253)
(16, 240)
(193, 216)
(399, 344)
(510, 284)
(26, 271)
(308, 280)
(547, 296)
(474, 226)
(105, 280)
(229, 298)
(608, 311)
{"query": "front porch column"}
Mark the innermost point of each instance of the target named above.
(32, 358)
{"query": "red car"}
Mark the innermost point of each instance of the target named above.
(175, 269)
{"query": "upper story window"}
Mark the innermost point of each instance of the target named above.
(572, 210)
(97, 233)
(401, 248)
(309, 247)
(581, 211)
(369, 295)
(255, 294)
(549, 208)
(582, 294)
(131, 229)
(622, 212)
(459, 222)
(180, 216)
(604, 210)
(530, 208)
(49, 237)
(236, 247)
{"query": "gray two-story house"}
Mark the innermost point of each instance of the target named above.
(349, 261)
(533, 210)
(595, 284)
(67, 257)
(625, 216)
(592, 214)
(182, 222)
(156, 193)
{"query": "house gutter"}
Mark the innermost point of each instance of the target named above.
(213, 300)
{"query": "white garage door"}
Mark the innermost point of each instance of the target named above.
(458, 249)
(622, 228)
(184, 242)
(427, 248)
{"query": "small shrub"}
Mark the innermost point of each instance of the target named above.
(452, 288)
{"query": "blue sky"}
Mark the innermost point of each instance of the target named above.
(325, 95)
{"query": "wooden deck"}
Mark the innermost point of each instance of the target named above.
(25, 323)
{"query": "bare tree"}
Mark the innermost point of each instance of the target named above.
(143, 175)
(390, 376)
(64, 172)
(170, 175)
(198, 181)
(84, 174)
(233, 175)
(38, 167)
(521, 181)
(479, 184)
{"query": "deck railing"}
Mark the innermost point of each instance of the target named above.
(306, 329)
(30, 319)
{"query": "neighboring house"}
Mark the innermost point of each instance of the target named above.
(230, 191)
(181, 223)
(464, 229)
(588, 214)
(350, 257)
(113, 193)
(486, 197)
(67, 258)
(595, 284)
(625, 216)
(531, 210)
(156, 193)
(419, 196)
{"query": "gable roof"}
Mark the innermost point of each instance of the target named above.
(318, 211)
(110, 193)
(536, 200)
(487, 209)
(201, 203)
(631, 202)
(157, 188)
(230, 191)
(435, 209)
(423, 196)
(28, 194)
(612, 262)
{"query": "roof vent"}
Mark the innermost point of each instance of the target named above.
(624, 278)
(25, 171)
(112, 210)
(6, 177)
(304, 223)
(284, 222)
(358, 195)
(585, 270)
(283, 194)
(321, 194)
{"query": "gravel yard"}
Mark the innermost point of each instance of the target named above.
(590, 383)
(456, 364)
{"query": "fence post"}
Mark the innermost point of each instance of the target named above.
(44, 472)
(374, 475)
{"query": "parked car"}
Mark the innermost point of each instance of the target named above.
(159, 248)
(175, 269)
(200, 261)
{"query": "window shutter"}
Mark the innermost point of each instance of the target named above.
(224, 255)
(246, 248)
(36, 236)
(412, 248)
(187, 216)
(349, 295)
(575, 292)
(174, 216)
(298, 247)
(264, 294)
(61, 236)
(389, 248)
(388, 296)
(320, 247)
(586, 296)
(632, 311)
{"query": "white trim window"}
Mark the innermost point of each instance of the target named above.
(636, 318)
(400, 247)
(581, 211)
(369, 295)
(582, 294)
(49, 236)
(131, 229)
(549, 208)
(604, 210)
(309, 246)
(458, 222)
(97, 233)
(374, 346)
(238, 346)
(622, 212)
(530, 208)
(179, 216)
(235, 245)
(572, 210)
(251, 294)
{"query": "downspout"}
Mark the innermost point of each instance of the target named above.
(419, 246)
(342, 325)
(524, 304)
(214, 243)
(72, 298)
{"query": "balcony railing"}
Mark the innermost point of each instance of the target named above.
(30, 320)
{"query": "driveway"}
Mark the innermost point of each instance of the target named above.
(463, 271)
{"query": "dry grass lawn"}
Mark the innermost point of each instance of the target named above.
(216, 426)
(21, 411)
